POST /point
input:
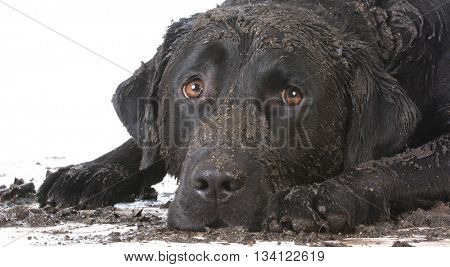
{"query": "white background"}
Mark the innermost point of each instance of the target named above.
(55, 96)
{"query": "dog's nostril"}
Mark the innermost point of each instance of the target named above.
(229, 186)
(226, 186)
(201, 184)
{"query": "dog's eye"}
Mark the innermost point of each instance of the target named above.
(292, 96)
(193, 88)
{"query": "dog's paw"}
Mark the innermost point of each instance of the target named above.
(86, 185)
(326, 207)
(294, 210)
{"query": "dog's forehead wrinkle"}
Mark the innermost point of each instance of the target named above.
(285, 28)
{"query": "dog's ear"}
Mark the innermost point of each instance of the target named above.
(135, 99)
(382, 118)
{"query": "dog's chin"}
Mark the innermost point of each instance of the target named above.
(180, 223)
(185, 218)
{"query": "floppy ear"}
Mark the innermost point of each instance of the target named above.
(383, 117)
(135, 99)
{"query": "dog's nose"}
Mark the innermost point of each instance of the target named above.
(214, 185)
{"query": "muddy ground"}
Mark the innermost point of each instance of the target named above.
(144, 222)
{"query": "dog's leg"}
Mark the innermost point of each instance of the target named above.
(375, 190)
(114, 177)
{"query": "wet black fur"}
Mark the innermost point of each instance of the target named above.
(377, 72)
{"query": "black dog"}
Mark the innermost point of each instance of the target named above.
(284, 114)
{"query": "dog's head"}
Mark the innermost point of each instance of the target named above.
(241, 102)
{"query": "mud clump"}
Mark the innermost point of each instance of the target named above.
(401, 244)
(18, 189)
(437, 216)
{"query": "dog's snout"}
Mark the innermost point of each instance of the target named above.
(220, 187)
(214, 185)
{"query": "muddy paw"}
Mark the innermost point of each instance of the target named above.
(86, 185)
(327, 207)
(294, 210)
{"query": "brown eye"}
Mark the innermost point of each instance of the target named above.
(193, 88)
(292, 96)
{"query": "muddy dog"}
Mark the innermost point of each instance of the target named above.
(297, 114)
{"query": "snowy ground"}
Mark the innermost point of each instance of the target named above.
(24, 224)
